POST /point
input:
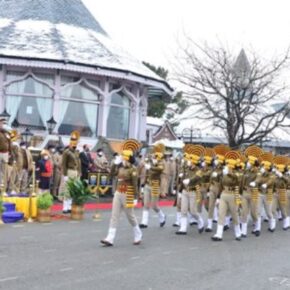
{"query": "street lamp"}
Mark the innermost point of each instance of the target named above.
(51, 123)
(5, 115)
(27, 135)
(194, 133)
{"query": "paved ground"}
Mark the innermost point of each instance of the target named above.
(67, 255)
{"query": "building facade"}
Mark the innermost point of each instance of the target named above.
(57, 61)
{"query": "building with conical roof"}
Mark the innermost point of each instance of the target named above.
(57, 61)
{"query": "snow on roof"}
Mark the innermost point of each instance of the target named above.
(176, 144)
(62, 30)
(154, 121)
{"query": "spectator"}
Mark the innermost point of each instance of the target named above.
(86, 162)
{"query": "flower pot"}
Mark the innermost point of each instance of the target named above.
(43, 215)
(77, 212)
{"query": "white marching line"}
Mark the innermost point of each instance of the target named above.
(8, 279)
(66, 269)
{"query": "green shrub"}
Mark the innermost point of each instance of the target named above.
(2, 208)
(78, 191)
(44, 201)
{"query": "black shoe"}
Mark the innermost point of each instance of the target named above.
(243, 236)
(266, 220)
(207, 230)
(238, 239)
(285, 229)
(106, 243)
(216, 239)
(253, 232)
(176, 225)
(201, 230)
(65, 211)
(181, 233)
(226, 228)
(142, 226)
(163, 223)
(69, 211)
(257, 233)
(214, 221)
(193, 223)
(280, 219)
(271, 230)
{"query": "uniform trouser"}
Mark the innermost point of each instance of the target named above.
(150, 199)
(171, 184)
(164, 184)
(114, 184)
(23, 180)
(288, 200)
(119, 204)
(13, 179)
(3, 169)
(67, 201)
(203, 192)
(56, 183)
(213, 194)
(248, 205)
(227, 203)
(277, 204)
(267, 206)
(188, 204)
(178, 202)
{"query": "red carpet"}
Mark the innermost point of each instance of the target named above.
(106, 206)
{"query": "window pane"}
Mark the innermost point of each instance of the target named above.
(78, 116)
(118, 123)
(29, 111)
(120, 99)
(29, 86)
(79, 92)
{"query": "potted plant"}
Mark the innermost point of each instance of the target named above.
(79, 193)
(44, 203)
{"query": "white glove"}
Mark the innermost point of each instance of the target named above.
(65, 178)
(264, 186)
(147, 166)
(118, 160)
(225, 170)
(186, 181)
(278, 173)
(154, 161)
(188, 163)
(214, 174)
(180, 175)
(179, 194)
(174, 192)
(135, 202)
(252, 184)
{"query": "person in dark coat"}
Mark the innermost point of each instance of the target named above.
(44, 171)
(86, 162)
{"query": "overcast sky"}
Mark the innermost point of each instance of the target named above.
(149, 29)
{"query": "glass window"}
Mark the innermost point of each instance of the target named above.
(29, 103)
(119, 117)
(76, 112)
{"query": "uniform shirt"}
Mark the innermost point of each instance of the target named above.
(70, 160)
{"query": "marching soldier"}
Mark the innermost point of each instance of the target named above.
(230, 197)
(251, 195)
(71, 168)
(152, 187)
(126, 194)
(191, 194)
(215, 181)
(280, 199)
(165, 175)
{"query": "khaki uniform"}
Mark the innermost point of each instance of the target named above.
(228, 202)
(172, 176)
(204, 187)
(215, 188)
(165, 175)
(5, 150)
(57, 171)
(152, 192)
(15, 164)
(27, 167)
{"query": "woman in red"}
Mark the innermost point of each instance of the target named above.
(44, 170)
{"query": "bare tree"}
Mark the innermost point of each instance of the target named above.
(245, 98)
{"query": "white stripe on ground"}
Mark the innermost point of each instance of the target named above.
(8, 279)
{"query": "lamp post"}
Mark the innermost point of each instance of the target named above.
(5, 115)
(51, 123)
(27, 135)
(194, 133)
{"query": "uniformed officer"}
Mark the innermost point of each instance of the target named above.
(126, 195)
(71, 168)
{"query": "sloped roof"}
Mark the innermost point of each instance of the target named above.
(62, 31)
(242, 64)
